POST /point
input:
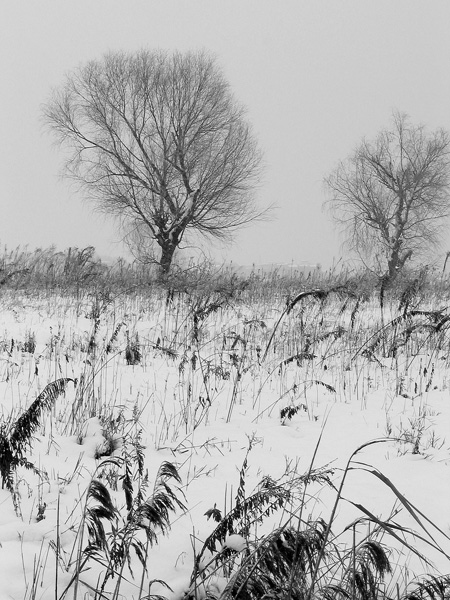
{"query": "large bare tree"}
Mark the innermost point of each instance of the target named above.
(159, 141)
(391, 196)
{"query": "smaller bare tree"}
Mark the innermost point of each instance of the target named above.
(391, 196)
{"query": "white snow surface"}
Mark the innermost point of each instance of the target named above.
(164, 400)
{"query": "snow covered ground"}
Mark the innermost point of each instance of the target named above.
(238, 396)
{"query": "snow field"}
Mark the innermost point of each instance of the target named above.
(201, 398)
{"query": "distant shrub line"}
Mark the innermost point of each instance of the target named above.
(81, 271)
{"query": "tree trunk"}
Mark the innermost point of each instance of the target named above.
(167, 253)
(393, 266)
(396, 262)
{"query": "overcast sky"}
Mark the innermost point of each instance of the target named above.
(316, 76)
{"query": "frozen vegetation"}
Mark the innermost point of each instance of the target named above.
(221, 437)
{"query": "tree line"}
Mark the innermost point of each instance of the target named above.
(158, 141)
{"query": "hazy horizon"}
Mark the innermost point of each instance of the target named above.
(315, 78)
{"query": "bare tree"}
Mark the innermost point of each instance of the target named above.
(391, 196)
(159, 141)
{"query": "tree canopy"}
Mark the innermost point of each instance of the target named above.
(159, 141)
(391, 196)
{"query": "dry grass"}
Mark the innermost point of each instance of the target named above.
(276, 343)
